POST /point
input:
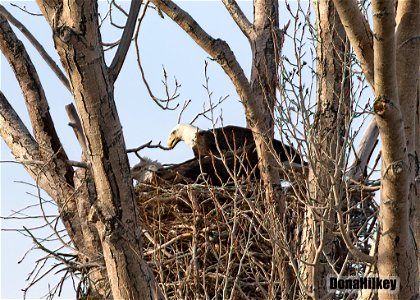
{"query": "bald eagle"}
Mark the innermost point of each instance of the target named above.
(226, 139)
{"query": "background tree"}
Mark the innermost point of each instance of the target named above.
(319, 220)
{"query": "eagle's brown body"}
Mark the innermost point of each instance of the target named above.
(234, 139)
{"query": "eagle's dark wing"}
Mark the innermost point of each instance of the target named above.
(223, 139)
(234, 139)
(287, 153)
(213, 169)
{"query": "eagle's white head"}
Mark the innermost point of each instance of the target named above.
(183, 132)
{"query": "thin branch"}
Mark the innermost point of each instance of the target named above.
(212, 106)
(162, 103)
(125, 41)
(76, 125)
(365, 150)
(360, 35)
(356, 252)
(218, 49)
(147, 145)
(240, 19)
(24, 9)
(184, 108)
(48, 59)
(119, 8)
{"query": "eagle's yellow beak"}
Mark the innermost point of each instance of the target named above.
(172, 141)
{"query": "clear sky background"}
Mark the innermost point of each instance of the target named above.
(162, 43)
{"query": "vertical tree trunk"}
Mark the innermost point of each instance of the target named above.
(77, 40)
(396, 249)
(333, 106)
(407, 31)
(266, 49)
(417, 179)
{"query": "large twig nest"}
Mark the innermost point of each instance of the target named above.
(205, 242)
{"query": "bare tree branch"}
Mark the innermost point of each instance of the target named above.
(125, 41)
(162, 103)
(24, 9)
(364, 151)
(359, 33)
(48, 59)
(218, 49)
(361, 39)
(76, 125)
(25, 148)
(350, 246)
(240, 18)
(148, 145)
(33, 92)
(16, 135)
(51, 63)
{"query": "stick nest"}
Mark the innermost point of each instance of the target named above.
(205, 242)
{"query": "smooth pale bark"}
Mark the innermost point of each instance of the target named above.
(240, 19)
(407, 43)
(76, 37)
(331, 118)
(396, 249)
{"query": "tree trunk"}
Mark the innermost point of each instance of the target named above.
(396, 250)
(417, 179)
(407, 31)
(266, 49)
(326, 173)
(77, 39)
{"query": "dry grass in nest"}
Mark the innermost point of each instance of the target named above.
(205, 242)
